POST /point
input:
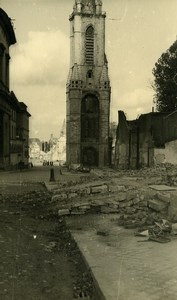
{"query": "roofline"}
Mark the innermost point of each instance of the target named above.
(5, 23)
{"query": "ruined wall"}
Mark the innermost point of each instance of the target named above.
(170, 127)
(122, 143)
(146, 143)
(137, 139)
(167, 154)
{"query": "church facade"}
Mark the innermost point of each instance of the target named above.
(88, 87)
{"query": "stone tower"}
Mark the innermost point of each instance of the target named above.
(88, 87)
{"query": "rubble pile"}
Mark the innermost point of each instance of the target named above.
(161, 232)
(137, 207)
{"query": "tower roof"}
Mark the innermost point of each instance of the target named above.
(104, 74)
(75, 75)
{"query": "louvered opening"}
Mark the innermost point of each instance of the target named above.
(89, 45)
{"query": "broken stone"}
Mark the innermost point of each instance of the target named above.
(143, 203)
(99, 189)
(108, 210)
(97, 203)
(85, 191)
(163, 187)
(84, 208)
(165, 197)
(113, 205)
(157, 205)
(130, 211)
(116, 188)
(102, 232)
(141, 215)
(121, 196)
(72, 195)
(131, 195)
(77, 212)
(136, 200)
(63, 212)
(63, 196)
(122, 204)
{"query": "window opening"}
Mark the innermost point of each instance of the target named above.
(89, 45)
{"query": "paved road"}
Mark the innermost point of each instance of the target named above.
(35, 174)
(38, 174)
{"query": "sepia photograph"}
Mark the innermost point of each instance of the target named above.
(88, 149)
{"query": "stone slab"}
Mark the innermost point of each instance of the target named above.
(163, 187)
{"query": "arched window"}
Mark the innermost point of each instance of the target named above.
(89, 45)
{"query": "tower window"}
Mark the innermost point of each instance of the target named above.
(89, 45)
(89, 74)
(90, 118)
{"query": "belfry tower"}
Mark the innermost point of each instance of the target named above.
(88, 87)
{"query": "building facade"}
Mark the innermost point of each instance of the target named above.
(88, 87)
(14, 117)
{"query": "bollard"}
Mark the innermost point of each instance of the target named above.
(52, 177)
(60, 172)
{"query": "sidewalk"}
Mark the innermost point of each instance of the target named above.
(123, 267)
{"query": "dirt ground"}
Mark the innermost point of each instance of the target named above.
(39, 260)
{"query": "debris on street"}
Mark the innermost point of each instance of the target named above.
(161, 232)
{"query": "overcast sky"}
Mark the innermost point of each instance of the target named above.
(137, 33)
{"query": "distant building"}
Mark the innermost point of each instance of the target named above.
(35, 148)
(151, 139)
(88, 87)
(53, 150)
(14, 117)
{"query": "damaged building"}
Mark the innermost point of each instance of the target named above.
(150, 139)
(14, 117)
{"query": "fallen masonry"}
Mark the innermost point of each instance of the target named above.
(139, 197)
(137, 206)
(162, 232)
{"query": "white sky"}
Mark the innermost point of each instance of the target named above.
(137, 33)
